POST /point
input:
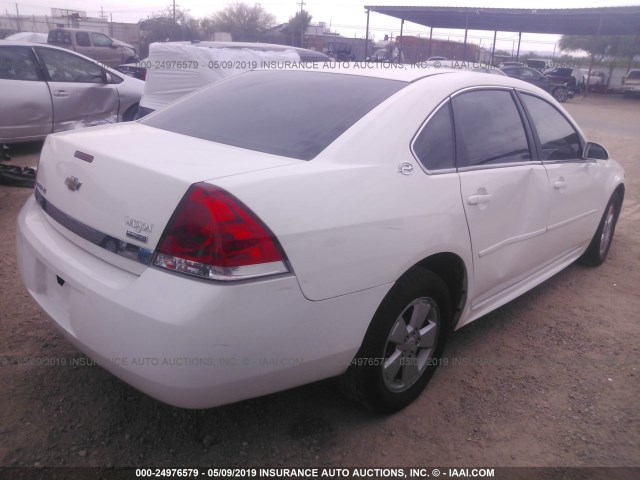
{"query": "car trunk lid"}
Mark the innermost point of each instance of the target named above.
(113, 189)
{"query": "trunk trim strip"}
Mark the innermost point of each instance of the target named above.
(112, 244)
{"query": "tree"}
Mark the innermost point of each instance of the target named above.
(297, 27)
(595, 46)
(629, 48)
(160, 27)
(243, 22)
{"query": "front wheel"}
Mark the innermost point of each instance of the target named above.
(403, 344)
(600, 244)
(561, 94)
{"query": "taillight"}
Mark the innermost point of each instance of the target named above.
(213, 235)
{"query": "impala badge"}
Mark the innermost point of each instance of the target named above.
(72, 183)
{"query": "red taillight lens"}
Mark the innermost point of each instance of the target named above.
(213, 235)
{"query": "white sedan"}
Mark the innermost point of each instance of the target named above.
(283, 227)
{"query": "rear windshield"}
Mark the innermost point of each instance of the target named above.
(294, 114)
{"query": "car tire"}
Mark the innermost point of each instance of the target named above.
(598, 249)
(403, 344)
(561, 94)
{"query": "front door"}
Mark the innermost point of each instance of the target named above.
(80, 95)
(505, 192)
(574, 210)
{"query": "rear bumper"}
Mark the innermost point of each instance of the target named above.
(187, 342)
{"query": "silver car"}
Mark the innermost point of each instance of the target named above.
(46, 89)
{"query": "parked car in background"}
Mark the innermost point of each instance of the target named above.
(340, 51)
(203, 239)
(510, 64)
(45, 89)
(574, 78)
(559, 90)
(492, 70)
(597, 81)
(135, 70)
(175, 69)
(433, 59)
(96, 45)
(27, 37)
(380, 55)
(631, 83)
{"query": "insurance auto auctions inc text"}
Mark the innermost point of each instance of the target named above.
(374, 472)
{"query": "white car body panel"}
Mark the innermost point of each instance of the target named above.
(348, 221)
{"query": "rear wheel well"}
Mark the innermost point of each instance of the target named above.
(451, 269)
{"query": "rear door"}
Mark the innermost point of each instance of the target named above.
(25, 101)
(575, 207)
(505, 192)
(79, 93)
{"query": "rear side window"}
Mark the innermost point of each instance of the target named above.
(16, 63)
(558, 138)
(82, 39)
(489, 129)
(59, 37)
(434, 144)
(290, 113)
(634, 75)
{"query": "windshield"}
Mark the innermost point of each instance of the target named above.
(295, 114)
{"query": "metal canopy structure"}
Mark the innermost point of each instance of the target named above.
(565, 21)
(569, 21)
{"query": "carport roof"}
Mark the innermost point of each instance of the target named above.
(570, 21)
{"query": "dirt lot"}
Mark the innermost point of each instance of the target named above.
(551, 379)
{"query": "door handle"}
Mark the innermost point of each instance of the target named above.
(478, 198)
(559, 185)
(61, 93)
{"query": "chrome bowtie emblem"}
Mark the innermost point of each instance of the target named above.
(72, 183)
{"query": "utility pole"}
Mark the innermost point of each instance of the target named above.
(301, 3)
(174, 11)
(18, 18)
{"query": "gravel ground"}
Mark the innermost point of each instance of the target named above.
(550, 379)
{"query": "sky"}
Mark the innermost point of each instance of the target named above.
(346, 17)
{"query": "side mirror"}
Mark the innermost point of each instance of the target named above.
(113, 45)
(595, 151)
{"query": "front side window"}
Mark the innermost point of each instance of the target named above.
(82, 39)
(558, 138)
(489, 129)
(100, 40)
(434, 144)
(294, 114)
(16, 63)
(67, 67)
